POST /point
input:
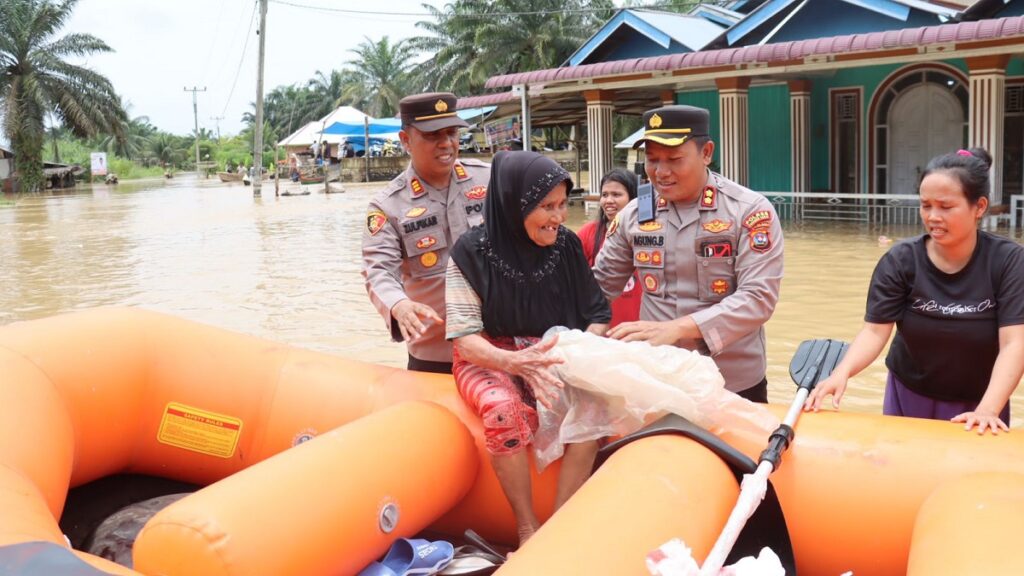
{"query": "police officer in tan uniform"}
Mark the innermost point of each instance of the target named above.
(413, 223)
(709, 261)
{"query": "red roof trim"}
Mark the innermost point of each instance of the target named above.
(795, 50)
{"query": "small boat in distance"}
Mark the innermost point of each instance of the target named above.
(229, 177)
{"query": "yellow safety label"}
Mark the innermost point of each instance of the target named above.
(198, 430)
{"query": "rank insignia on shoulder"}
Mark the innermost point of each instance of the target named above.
(758, 219)
(476, 193)
(708, 198)
(375, 222)
(716, 226)
(612, 226)
(416, 211)
(650, 226)
(662, 203)
(417, 187)
(460, 172)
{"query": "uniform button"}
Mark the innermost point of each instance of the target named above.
(704, 263)
(730, 260)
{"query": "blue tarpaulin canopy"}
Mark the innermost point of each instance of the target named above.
(389, 127)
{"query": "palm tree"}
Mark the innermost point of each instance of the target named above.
(36, 80)
(167, 150)
(379, 77)
(473, 40)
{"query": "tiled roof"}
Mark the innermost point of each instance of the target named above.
(783, 51)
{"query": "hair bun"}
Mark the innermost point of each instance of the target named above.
(983, 155)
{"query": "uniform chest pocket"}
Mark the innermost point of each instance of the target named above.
(426, 252)
(716, 278)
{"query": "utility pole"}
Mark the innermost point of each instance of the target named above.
(216, 120)
(258, 152)
(195, 115)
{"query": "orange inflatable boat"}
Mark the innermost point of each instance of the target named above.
(391, 453)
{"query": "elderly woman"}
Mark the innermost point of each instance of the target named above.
(509, 281)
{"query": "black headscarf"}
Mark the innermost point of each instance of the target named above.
(525, 288)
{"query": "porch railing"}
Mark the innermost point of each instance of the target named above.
(876, 208)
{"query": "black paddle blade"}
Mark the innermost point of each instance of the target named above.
(815, 360)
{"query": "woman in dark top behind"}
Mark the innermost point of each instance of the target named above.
(507, 283)
(956, 297)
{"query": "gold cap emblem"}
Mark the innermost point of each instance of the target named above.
(441, 106)
(655, 121)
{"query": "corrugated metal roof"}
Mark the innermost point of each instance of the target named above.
(694, 32)
(795, 50)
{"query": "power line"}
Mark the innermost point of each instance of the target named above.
(472, 14)
(240, 61)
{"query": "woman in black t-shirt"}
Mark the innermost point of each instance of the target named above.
(956, 297)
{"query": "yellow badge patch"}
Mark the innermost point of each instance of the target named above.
(716, 226)
(650, 283)
(426, 242)
(429, 259)
(719, 286)
(612, 226)
(650, 226)
(414, 212)
(417, 187)
(643, 257)
(655, 121)
(375, 221)
(460, 172)
(476, 193)
(656, 257)
(707, 198)
(441, 106)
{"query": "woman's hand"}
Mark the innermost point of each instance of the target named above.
(834, 385)
(983, 420)
(533, 365)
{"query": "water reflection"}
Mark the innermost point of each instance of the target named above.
(287, 269)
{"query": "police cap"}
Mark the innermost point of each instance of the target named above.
(674, 125)
(430, 112)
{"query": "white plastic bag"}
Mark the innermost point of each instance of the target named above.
(614, 388)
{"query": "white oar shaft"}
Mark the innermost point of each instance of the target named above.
(752, 491)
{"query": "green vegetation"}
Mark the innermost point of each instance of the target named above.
(36, 81)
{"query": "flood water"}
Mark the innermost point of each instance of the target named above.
(287, 269)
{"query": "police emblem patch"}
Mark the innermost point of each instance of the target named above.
(760, 240)
(655, 121)
(662, 203)
(429, 259)
(643, 257)
(650, 283)
(375, 222)
(476, 193)
(716, 226)
(426, 242)
(441, 106)
(656, 257)
(414, 212)
(719, 286)
(650, 226)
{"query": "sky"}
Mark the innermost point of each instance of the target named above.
(162, 47)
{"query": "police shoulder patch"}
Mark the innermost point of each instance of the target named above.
(375, 221)
(612, 226)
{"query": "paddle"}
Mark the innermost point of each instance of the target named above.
(813, 361)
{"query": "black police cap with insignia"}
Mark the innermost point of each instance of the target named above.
(674, 125)
(430, 112)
